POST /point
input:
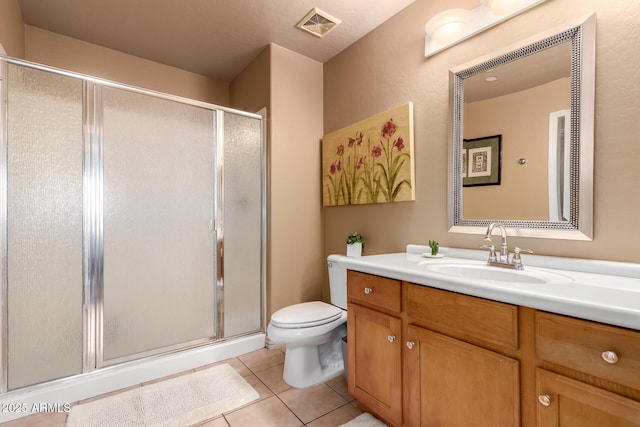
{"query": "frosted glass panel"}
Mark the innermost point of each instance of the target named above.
(158, 204)
(44, 226)
(242, 218)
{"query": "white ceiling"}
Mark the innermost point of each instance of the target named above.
(215, 38)
(530, 71)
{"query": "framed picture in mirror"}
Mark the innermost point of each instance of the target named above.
(481, 159)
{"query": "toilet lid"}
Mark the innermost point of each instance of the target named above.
(305, 315)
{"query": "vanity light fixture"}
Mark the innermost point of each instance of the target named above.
(455, 25)
(501, 7)
(448, 25)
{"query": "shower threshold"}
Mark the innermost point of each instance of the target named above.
(60, 393)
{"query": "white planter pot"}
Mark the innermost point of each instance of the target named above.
(354, 249)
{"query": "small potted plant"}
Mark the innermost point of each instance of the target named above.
(435, 246)
(355, 244)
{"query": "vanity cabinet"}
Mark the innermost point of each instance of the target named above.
(453, 380)
(421, 356)
(608, 355)
(374, 344)
(453, 383)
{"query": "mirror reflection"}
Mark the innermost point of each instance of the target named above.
(522, 136)
(522, 102)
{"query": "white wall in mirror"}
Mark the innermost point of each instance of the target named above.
(559, 165)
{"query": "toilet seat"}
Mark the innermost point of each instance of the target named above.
(305, 315)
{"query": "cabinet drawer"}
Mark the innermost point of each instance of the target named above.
(473, 319)
(604, 351)
(573, 403)
(376, 291)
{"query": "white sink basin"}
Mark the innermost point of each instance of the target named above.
(497, 274)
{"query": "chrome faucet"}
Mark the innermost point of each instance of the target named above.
(503, 259)
(504, 249)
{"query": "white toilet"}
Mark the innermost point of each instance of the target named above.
(312, 333)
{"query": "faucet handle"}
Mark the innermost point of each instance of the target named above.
(516, 260)
(517, 250)
(492, 252)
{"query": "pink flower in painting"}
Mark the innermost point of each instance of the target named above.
(389, 129)
(340, 150)
(357, 140)
(335, 167)
(376, 151)
(360, 163)
(399, 144)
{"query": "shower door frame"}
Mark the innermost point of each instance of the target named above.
(93, 210)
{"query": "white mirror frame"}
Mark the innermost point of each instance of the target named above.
(581, 33)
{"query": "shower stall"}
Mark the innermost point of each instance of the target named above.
(132, 226)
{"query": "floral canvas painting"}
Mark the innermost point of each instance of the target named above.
(370, 161)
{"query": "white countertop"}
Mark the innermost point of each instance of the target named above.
(602, 291)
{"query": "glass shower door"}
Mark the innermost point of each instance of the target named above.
(132, 224)
(158, 180)
(42, 226)
(241, 208)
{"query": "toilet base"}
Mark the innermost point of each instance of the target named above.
(306, 366)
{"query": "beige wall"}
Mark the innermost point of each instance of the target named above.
(387, 68)
(523, 192)
(251, 89)
(59, 51)
(11, 28)
(290, 86)
(296, 265)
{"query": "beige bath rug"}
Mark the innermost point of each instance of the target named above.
(181, 401)
(364, 420)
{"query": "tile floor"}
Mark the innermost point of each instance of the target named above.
(325, 405)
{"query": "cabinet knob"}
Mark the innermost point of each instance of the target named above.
(544, 399)
(368, 291)
(410, 345)
(610, 357)
(391, 338)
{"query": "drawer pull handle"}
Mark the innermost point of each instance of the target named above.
(368, 291)
(544, 399)
(391, 338)
(610, 357)
(410, 345)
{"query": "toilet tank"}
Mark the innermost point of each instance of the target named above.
(337, 281)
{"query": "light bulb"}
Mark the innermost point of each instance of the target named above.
(446, 26)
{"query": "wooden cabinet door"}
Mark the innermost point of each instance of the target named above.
(374, 360)
(563, 402)
(451, 383)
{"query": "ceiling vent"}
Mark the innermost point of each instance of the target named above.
(318, 23)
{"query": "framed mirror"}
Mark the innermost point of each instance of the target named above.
(536, 98)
